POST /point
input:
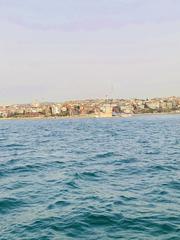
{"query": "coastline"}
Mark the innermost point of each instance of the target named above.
(92, 108)
(89, 116)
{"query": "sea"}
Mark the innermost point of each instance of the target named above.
(116, 178)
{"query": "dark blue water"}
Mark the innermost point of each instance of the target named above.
(90, 178)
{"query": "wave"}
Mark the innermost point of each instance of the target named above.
(80, 180)
(9, 204)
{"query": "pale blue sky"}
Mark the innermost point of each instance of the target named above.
(56, 50)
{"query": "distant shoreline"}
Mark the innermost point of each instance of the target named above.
(94, 108)
(89, 116)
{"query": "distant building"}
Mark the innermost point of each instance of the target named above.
(105, 110)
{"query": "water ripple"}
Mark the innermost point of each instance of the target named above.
(90, 179)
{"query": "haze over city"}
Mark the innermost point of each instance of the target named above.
(59, 50)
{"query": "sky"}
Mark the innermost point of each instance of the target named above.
(77, 49)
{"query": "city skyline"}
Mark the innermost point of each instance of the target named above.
(61, 50)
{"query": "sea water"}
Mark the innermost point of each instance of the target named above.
(90, 178)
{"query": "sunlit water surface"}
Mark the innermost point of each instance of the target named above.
(90, 178)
